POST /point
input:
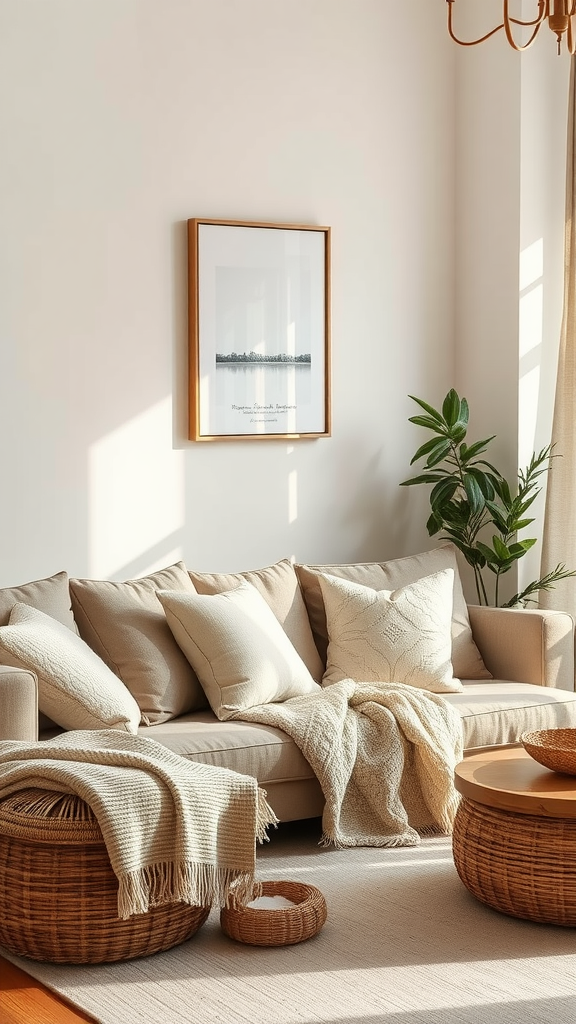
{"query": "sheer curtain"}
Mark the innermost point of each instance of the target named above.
(559, 540)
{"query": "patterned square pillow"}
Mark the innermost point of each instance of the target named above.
(466, 657)
(398, 636)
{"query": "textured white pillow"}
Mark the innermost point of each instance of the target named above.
(75, 688)
(391, 575)
(401, 636)
(237, 648)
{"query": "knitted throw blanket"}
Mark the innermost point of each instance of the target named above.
(174, 830)
(384, 755)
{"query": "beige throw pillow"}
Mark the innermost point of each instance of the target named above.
(125, 625)
(398, 636)
(237, 647)
(466, 657)
(50, 596)
(278, 584)
(75, 688)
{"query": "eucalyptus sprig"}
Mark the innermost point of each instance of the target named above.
(469, 494)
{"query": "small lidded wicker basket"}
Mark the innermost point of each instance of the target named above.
(59, 894)
(281, 926)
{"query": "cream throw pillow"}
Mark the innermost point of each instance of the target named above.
(280, 588)
(401, 636)
(237, 648)
(75, 688)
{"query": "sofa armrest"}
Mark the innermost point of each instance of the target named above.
(525, 645)
(18, 704)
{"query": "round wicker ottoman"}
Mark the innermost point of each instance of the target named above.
(514, 837)
(58, 892)
(277, 927)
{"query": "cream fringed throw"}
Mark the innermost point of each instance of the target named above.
(384, 755)
(174, 830)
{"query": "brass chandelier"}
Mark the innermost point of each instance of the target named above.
(558, 14)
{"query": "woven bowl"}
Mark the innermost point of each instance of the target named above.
(59, 894)
(553, 748)
(281, 926)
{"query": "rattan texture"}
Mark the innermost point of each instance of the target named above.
(553, 748)
(520, 864)
(281, 926)
(59, 894)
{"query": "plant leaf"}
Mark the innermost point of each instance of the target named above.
(424, 449)
(473, 493)
(441, 494)
(500, 548)
(451, 408)
(424, 478)
(522, 546)
(478, 447)
(427, 421)
(433, 525)
(429, 409)
(438, 453)
(483, 480)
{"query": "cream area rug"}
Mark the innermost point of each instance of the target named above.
(404, 943)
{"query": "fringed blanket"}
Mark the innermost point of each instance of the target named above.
(384, 755)
(174, 830)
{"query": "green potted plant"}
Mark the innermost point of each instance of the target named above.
(469, 496)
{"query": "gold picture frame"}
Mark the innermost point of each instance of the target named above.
(259, 330)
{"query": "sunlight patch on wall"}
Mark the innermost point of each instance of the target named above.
(292, 496)
(530, 346)
(136, 495)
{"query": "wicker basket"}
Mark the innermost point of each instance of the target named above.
(520, 864)
(58, 892)
(283, 926)
(554, 748)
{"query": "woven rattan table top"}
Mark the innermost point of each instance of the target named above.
(511, 780)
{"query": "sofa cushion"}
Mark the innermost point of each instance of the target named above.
(266, 753)
(466, 658)
(75, 688)
(280, 588)
(237, 648)
(50, 596)
(401, 636)
(125, 625)
(499, 711)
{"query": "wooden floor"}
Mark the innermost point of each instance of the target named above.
(23, 1000)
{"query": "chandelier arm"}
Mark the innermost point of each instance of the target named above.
(472, 42)
(527, 24)
(537, 23)
(505, 25)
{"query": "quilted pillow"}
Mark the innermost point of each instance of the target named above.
(75, 688)
(400, 636)
(237, 647)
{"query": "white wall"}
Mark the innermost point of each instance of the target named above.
(511, 144)
(120, 119)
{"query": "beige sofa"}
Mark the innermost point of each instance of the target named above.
(516, 666)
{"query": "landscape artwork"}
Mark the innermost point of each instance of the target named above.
(259, 330)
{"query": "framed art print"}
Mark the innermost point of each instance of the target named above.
(259, 330)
